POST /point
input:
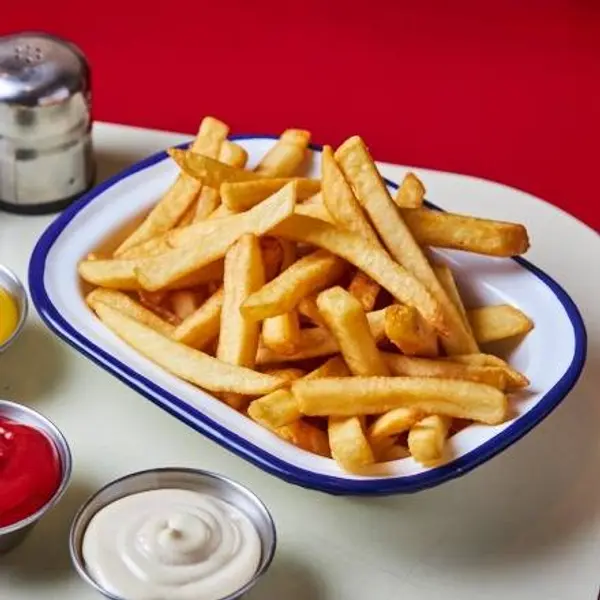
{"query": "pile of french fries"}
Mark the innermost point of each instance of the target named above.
(313, 306)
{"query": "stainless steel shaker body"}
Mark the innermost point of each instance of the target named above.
(46, 155)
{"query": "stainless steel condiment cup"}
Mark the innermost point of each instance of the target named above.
(176, 478)
(12, 284)
(12, 535)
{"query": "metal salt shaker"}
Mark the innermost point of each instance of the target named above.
(46, 155)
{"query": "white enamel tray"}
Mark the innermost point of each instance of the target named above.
(551, 356)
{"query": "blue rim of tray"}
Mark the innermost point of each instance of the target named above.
(249, 451)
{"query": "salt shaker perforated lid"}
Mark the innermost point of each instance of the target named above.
(46, 156)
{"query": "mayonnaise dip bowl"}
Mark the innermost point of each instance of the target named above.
(173, 534)
(31, 445)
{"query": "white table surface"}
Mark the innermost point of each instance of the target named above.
(526, 525)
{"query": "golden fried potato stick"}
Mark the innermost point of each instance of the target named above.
(233, 154)
(359, 169)
(427, 438)
(160, 271)
(184, 191)
(408, 331)
(202, 326)
(410, 366)
(394, 452)
(238, 337)
(348, 443)
(306, 437)
(315, 342)
(492, 323)
(241, 196)
(515, 380)
(128, 306)
(446, 278)
(365, 290)
(340, 201)
(411, 192)
(286, 156)
(183, 303)
(347, 213)
(348, 323)
(319, 342)
(208, 200)
(315, 211)
(120, 274)
(280, 407)
(290, 373)
(184, 362)
(310, 274)
(208, 171)
(393, 423)
(308, 307)
(376, 263)
(376, 395)
(448, 230)
(460, 232)
(282, 332)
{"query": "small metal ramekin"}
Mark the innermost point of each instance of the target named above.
(12, 284)
(181, 478)
(12, 535)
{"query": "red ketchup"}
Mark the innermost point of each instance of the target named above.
(30, 471)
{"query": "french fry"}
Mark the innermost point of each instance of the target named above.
(411, 192)
(306, 276)
(128, 306)
(244, 195)
(446, 279)
(408, 366)
(308, 307)
(233, 154)
(282, 332)
(152, 302)
(160, 271)
(315, 211)
(202, 326)
(348, 443)
(186, 219)
(348, 323)
(273, 256)
(183, 303)
(184, 362)
(305, 436)
(347, 213)
(288, 153)
(365, 290)
(120, 274)
(407, 330)
(393, 423)
(374, 262)
(493, 323)
(376, 395)
(515, 380)
(315, 342)
(340, 201)
(280, 407)
(393, 452)
(290, 373)
(460, 232)
(208, 171)
(427, 438)
(359, 169)
(238, 337)
(169, 210)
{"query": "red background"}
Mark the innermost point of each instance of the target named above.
(508, 90)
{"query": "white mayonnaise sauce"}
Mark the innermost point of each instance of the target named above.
(171, 544)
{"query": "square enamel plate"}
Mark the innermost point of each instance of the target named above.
(551, 356)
